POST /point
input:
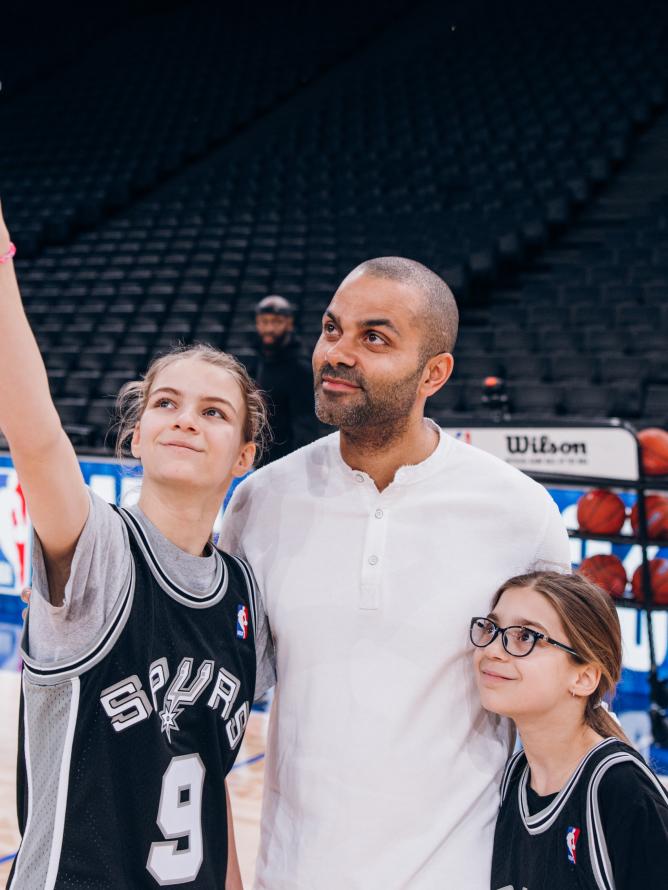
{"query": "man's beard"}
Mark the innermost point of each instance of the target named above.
(275, 345)
(370, 418)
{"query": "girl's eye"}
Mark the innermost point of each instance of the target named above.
(163, 403)
(214, 412)
(524, 635)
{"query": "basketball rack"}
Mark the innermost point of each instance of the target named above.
(587, 454)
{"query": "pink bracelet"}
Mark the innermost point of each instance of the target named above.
(11, 253)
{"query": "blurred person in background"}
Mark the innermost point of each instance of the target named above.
(283, 371)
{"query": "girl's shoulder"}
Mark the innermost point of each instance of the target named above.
(623, 779)
(611, 764)
(512, 771)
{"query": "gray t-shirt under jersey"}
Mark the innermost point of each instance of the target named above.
(99, 572)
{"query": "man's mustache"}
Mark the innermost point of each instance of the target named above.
(347, 375)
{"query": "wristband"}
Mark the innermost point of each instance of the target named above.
(11, 253)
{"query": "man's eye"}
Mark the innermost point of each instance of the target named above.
(328, 327)
(374, 338)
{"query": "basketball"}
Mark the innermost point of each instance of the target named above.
(654, 448)
(656, 510)
(601, 512)
(658, 572)
(606, 571)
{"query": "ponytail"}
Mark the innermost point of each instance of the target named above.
(603, 721)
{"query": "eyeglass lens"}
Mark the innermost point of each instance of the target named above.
(516, 640)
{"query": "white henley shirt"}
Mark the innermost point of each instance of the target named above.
(382, 769)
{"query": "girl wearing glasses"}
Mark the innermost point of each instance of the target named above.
(579, 806)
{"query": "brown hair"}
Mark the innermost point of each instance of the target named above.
(592, 625)
(132, 398)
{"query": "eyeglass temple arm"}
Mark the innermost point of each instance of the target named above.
(560, 645)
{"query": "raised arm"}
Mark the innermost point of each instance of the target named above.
(44, 458)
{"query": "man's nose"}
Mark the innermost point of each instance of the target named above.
(340, 353)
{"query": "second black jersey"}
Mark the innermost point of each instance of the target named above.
(125, 750)
(563, 845)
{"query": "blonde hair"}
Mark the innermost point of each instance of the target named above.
(133, 396)
(592, 625)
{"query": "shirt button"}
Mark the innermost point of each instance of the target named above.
(373, 560)
(378, 514)
(359, 477)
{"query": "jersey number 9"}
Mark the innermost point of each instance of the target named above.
(179, 816)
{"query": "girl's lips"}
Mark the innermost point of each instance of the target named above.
(493, 676)
(181, 445)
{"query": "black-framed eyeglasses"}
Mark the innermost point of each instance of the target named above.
(518, 641)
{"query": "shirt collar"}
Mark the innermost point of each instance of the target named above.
(408, 474)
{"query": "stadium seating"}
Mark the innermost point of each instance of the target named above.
(466, 137)
(91, 136)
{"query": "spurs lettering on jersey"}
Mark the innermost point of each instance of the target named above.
(126, 702)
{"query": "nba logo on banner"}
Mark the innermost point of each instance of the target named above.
(572, 836)
(242, 622)
(15, 535)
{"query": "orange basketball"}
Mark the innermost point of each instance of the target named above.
(607, 571)
(601, 512)
(656, 510)
(658, 573)
(654, 448)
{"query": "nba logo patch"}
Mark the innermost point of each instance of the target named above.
(572, 836)
(242, 622)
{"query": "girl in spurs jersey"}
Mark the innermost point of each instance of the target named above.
(144, 644)
(579, 806)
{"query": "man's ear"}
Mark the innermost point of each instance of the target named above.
(437, 372)
(244, 460)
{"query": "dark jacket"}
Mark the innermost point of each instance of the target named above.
(286, 377)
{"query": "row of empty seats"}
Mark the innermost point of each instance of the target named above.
(407, 148)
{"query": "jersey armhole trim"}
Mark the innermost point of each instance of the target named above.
(72, 667)
(251, 586)
(598, 848)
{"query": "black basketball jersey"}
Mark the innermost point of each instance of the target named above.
(563, 845)
(125, 750)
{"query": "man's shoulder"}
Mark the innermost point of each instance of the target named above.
(287, 469)
(474, 460)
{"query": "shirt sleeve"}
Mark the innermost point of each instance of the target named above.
(553, 552)
(634, 815)
(231, 540)
(100, 571)
(265, 656)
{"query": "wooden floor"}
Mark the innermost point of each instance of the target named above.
(245, 782)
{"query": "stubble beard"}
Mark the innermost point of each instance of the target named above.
(373, 419)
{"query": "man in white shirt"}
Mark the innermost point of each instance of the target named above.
(374, 547)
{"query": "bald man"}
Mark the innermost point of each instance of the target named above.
(373, 548)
